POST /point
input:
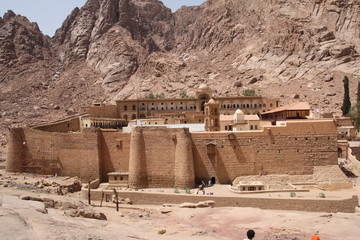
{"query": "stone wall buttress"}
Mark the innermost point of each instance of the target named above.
(16, 150)
(137, 162)
(184, 161)
(90, 161)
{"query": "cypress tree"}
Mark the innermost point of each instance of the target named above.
(346, 103)
(357, 109)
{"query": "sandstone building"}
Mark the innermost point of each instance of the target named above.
(191, 108)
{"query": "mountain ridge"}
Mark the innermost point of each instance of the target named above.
(119, 49)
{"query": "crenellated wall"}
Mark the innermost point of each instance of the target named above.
(168, 157)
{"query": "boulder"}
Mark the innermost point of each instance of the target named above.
(86, 213)
(204, 204)
(168, 205)
(187, 205)
(66, 205)
(339, 51)
(70, 111)
(238, 84)
(295, 96)
(327, 36)
(128, 201)
(165, 211)
(329, 78)
(24, 197)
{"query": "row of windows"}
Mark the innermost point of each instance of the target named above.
(244, 105)
(159, 108)
(193, 107)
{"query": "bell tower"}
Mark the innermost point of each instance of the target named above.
(212, 116)
(203, 95)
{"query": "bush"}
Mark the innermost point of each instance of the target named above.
(187, 190)
(322, 195)
(183, 94)
(176, 190)
(155, 96)
(292, 194)
(249, 93)
(162, 231)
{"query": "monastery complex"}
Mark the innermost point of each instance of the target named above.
(149, 143)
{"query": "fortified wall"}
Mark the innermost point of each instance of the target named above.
(164, 157)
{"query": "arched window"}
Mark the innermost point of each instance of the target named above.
(133, 107)
(247, 105)
(133, 116)
(255, 105)
(271, 104)
(125, 108)
(125, 117)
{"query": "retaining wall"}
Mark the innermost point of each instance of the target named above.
(347, 205)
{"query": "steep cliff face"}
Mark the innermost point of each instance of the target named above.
(25, 57)
(280, 48)
(114, 37)
(106, 50)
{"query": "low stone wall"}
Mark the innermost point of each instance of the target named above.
(310, 205)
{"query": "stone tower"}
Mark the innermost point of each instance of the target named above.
(212, 116)
(16, 150)
(137, 161)
(184, 162)
(203, 95)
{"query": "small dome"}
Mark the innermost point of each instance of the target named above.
(239, 111)
(204, 87)
(239, 116)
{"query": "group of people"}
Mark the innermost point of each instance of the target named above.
(251, 234)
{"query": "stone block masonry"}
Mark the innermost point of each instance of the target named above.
(164, 157)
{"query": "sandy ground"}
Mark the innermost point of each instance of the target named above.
(23, 220)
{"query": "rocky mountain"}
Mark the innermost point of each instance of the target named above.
(114, 49)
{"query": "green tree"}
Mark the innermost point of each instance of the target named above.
(155, 96)
(150, 96)
(346, 107)
(183, 94)
(355, 111)
(249, 93)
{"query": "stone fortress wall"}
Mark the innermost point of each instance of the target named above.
(164, 157)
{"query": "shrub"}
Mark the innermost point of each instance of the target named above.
(249, 93)
(292, 194)
(162, 231)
